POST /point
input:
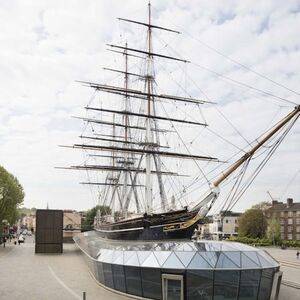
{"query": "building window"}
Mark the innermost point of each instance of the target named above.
(298, 213)
(290, 236)
(298, 221)
(290, 213)
(290, 228)
(282, 221)
(298, 228)
(226, 221)
(290, 221)
(282, 229)
(298, 236)
(282, 214)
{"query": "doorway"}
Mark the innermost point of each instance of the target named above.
(172, 287)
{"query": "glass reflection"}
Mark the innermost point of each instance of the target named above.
(199, 284)
(151, 283)
(133, 280)
(226, 285)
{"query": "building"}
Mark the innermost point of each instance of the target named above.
(181, 269)
(72, 224)
(29, 222)
(222, 225)
(288, 215)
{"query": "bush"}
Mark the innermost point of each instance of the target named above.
(263, 242)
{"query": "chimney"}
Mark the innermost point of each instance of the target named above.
(289, 202)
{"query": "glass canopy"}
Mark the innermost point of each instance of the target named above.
(204, 254)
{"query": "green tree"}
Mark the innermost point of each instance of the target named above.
(11, 196)
(273, 232)
(91, 213)
(253, 224)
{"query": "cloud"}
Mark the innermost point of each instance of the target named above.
(45, 46)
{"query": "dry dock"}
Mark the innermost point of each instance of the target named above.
(25, 275)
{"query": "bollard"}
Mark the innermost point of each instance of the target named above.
(84, 296)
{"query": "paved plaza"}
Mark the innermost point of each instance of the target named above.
(25, 275)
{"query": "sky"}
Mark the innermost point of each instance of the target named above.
(45, 46)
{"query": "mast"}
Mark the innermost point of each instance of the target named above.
(148, 188)
(124, 193)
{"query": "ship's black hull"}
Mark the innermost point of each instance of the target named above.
(174, 225)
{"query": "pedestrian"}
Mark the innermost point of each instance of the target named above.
(297, 254)
(4, 241)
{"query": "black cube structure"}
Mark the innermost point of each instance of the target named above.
(183, 270)
(49, 231)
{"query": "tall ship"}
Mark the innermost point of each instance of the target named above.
(137, 154)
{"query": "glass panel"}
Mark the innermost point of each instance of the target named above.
(151, 261)
(211, 257)
(253, 256)
(173, 289)
(133, 260)
(249, 284)
(265, 284)
(100, 272)
(247, 262)
(95, 269)
(185, 257)
(142, 255)
(225, 263)
(119, 278)
(133, 280)
(225, 246)
(127, 255)
(226, 285)
(198, 262)
(108, 278)
(235, 256)
(151, 283)
(173, 262)
(162, 256)
(264, 263)
(106, 256)
(199, 284)
(267, 257)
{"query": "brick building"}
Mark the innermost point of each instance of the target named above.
(288, 215)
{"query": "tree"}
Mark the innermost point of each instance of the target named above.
(11, 196)
(91, 213)
(264, 205)
(274, 231)
(253, 224)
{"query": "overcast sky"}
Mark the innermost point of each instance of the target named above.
(46, 45)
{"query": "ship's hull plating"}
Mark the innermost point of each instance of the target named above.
(176, 225)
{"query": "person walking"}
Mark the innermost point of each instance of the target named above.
(297, 254)
(4, 241)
